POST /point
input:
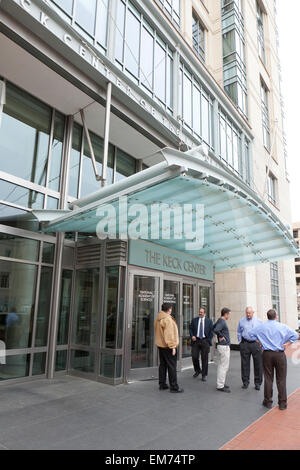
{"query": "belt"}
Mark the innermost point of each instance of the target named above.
(247, 341)
(271, 350)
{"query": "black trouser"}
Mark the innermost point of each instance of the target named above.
(200, 346)
(246, 350)
(167, 362)
(275, 361)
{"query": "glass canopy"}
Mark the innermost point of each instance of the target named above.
(238, 228)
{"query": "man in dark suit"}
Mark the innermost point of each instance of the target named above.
(201, 332)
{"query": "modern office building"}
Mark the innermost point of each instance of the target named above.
(296, 234)
(154, 102)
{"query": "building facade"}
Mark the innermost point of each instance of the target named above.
(155, 74)
(296, 234)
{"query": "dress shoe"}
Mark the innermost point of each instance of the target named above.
(282, 407)
(196, 374)
(163, 387)
(204, 378)
(257, 387)
(267, 405)
(226, 386)
(226, 390)
(176, 390)
(245, 386)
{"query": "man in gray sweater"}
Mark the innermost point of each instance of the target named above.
(223, 348)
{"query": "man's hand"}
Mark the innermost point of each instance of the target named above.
(222, 338)
(194, 338)
(173, 351)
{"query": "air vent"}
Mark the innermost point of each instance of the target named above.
(88, 254)
(116, 252)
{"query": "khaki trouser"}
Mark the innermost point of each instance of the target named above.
(223, 364)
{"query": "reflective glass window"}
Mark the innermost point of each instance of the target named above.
(42, 322)
(64, 309)
(29, 119)
(13, 246)
(56, 151)
(16, 366)
(83, 361)
(17, 300)
(125, 165)
(74, 162)
(86, 15)
(21, 196)
(39, 363)
(111, 307)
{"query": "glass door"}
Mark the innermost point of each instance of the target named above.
(187, 314)
(204, 299)
(143, 309)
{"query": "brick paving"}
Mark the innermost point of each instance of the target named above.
(276, 430)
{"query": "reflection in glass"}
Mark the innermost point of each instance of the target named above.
(74, 162)
(111, 307)
(15, 367)
(160, 72)
(48, 253)
(64, 310)
(12, 246)
(41, 334)
(83, 361)
(204, 299)
(86, 307)
(29, 119)
(132, 45)
(102, 15)
(65, 5)
(10, 192)
(61, 360)
(125, 166)
(17, 297)
(145, 305)
(188, 314)
(86, 15)
(107, 365)
(89, 183)
(56, 151)
(39, 363)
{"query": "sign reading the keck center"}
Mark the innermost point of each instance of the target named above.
(149, 255)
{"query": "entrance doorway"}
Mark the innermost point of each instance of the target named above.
(147, 290)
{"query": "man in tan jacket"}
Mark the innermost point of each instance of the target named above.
(167, 341)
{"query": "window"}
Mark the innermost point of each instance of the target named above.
(196, 106)
(143, 54)
(89, 18)
(272, 183)
(295, 233)
(82, 179)
(231, 147)
(260, 32)
(234, 65)
(274, 274)
(265, 115)
(198, 33)
(172, 9)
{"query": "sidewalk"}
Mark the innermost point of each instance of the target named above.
(277, 429)
(73, 413)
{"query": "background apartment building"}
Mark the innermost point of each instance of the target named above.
(168, 73)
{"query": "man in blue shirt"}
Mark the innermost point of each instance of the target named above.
(249, 347)
(274, 337)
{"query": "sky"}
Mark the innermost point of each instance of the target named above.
(288, 21)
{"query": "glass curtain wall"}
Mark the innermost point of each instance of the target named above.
(82, 179)
(88, 17)
(143, 54)
(26, 268)
(195, 107)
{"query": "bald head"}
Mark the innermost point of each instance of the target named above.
(249, 312)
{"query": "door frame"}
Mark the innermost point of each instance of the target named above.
(183, 362)
(147, 372)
